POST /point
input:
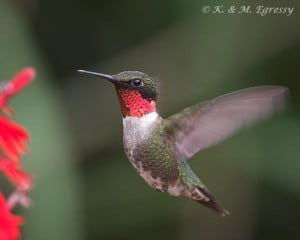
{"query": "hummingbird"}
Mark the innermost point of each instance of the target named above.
(159, 148)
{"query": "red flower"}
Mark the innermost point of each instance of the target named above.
(13, 138)
(9, 223)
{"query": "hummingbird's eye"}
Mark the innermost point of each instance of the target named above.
(136, 82)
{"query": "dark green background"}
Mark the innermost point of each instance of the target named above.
(84, 186)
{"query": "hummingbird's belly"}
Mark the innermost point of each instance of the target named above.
(162, 182)
(149, 152)
(154, 182)
(155, 163)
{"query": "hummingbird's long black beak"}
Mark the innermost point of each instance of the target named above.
(102, 75)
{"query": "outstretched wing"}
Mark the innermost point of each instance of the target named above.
(208, 123)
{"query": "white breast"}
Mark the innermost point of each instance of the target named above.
(137, 129)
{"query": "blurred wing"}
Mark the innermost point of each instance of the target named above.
(208, 123)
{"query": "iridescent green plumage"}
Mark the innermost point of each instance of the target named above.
(156, 159)
(148, 89)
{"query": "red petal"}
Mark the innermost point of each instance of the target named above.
(14, 173)
(18, 82)
(9, 223)
(13, 138)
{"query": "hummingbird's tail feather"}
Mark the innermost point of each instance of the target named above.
(212, 203)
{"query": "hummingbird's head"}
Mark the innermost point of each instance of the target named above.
(137, 91)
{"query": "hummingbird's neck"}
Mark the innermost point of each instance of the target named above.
(133, 104)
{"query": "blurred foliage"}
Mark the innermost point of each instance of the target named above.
(85, 187)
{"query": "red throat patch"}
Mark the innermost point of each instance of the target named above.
(133, 104)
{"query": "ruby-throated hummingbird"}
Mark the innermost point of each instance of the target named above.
(159, 148)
